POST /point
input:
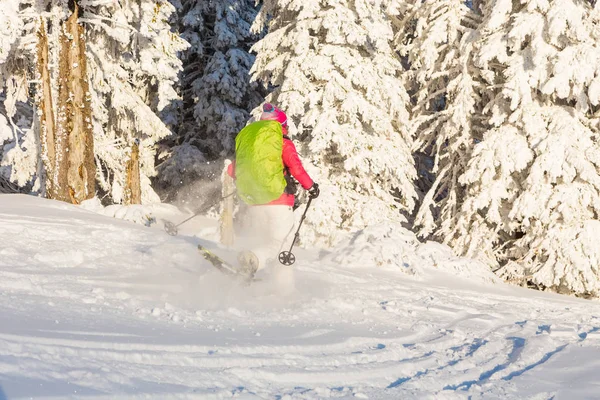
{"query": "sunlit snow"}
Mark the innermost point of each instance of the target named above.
(97, 307)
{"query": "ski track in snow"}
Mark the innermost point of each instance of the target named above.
(94, 307)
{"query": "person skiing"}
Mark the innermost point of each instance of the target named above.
(265, 166)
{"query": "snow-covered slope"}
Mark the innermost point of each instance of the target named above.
(96, 307)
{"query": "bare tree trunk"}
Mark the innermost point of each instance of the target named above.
(67, 142)
(226, 222)
(133, 188)
(75, 98)
(47, 125)
(63, 127)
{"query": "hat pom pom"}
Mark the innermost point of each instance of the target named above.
(268, 107)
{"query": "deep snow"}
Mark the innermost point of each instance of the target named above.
(93, 306)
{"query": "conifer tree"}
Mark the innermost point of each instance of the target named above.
(10, 28)
(437, 40)
(335, 73)
(215, 85)
(225, 94)
(18, 143)
(533, 182)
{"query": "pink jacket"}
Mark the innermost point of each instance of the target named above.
(292, 163)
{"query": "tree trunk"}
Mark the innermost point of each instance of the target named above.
(48, 134)
(75, 136)
(133, 188)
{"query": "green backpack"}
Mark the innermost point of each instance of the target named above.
(259, 163)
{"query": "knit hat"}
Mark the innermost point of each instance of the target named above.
(272, 113)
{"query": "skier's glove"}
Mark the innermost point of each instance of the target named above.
(313, 192)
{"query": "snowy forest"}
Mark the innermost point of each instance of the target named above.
(475, 124)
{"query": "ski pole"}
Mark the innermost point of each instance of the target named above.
(171, 228)
(287, 257)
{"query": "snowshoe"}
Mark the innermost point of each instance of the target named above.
(243, 272)
(248, 263)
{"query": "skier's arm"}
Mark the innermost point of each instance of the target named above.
(292, 161)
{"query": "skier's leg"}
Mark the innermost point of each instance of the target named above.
(275, 225)
(258, 231)
(282, 232)
(250, 237)
(282, 276)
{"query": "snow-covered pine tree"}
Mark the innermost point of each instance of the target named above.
(338, 78)
(224, 92)
(437, 39)
(10, 29)
(134, 65)
(215, 85)
(18, 142)
(533, 182)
